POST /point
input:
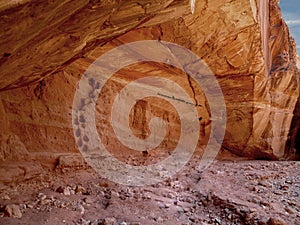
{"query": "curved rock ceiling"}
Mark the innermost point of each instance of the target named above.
(47, 46)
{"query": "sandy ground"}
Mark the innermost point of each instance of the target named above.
(228, 192)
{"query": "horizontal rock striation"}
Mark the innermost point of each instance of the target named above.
(39, 37)
(245, 43)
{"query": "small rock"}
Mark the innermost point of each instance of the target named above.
(248, 217)
(42, 196)
(70, 161)
(29, 206)
(167, 205)
(88, 200)
(264, 184)
(209, 197)
(22, 206)
(255, 189)
(204, 201)
(12, 211)
(189, 199)
(159, 220)
(180, 209)
(217, 221)
(171, 195)
(252, 210)
(146, 196)
(171, 184)
(115, 194)
(60, 189)
(45, 201)
(186, 209)
(289, 210)
(265, 203)
(80, 190)
(84, 222)
(276, 221)
(284, 187)
(277, 193)
(63, 205)
(161, 205)
(123, 223)
(110, 221)
(192, 219)
(6, 197)
(103, 184)
(80, 208)
(65, 190)
(105, 203)
(96, 222)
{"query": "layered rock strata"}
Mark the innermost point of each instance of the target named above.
(46, 48)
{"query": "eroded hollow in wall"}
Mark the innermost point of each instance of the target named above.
(146, 108)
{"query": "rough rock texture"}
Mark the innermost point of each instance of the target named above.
(39, 37)
(13, 211)
(231, 193)
(276, 93)
(246, 45)
(294, 141)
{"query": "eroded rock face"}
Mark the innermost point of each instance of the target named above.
(276, 92)
(246, 45)
(39, 38)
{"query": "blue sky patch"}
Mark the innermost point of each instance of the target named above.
(291, 14)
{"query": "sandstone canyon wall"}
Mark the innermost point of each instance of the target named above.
(46, 48)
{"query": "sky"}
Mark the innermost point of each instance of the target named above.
(291, 13)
